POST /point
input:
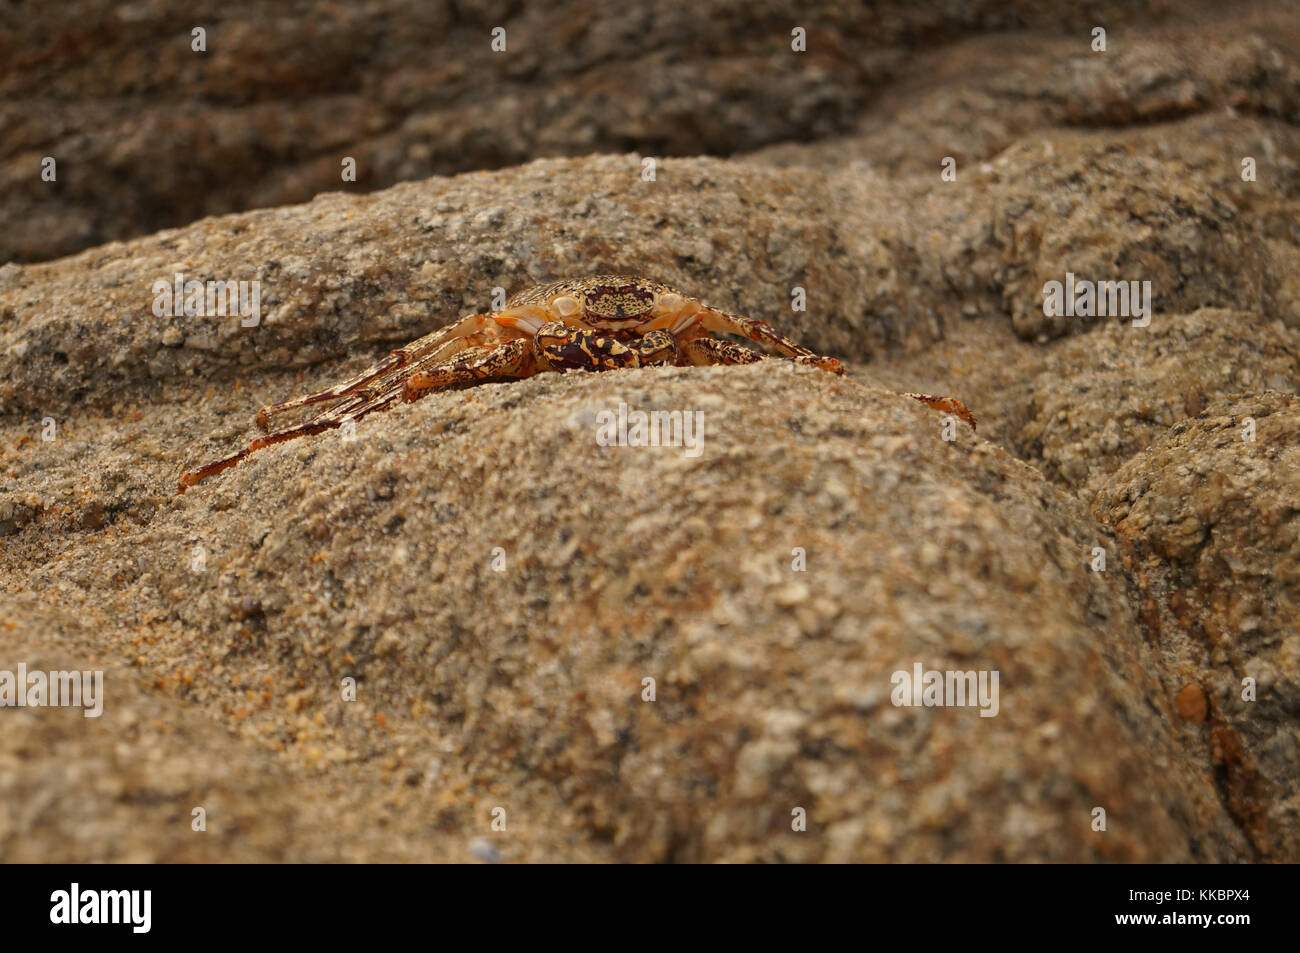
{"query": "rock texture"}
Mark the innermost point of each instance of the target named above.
(475, 632)
(1103, 397)
(147, 133)
(1209, 516)
(374, 559)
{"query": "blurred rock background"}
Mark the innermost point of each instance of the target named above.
(149, 134)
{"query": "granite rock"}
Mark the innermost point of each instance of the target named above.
(501, 586)
(1208, 521)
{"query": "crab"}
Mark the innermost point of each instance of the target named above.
(599, 323)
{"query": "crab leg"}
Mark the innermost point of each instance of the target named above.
(705, 351)
(702, 351)
(950, 404)
(428, 345)
(760, 332)
(763, 333)
(514, 359)
(354, 409)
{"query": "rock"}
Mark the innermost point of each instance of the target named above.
(360, 274)
(267, 114)
(125, 786)
(949, 555)
(1191, 703)
(1209, 526)
(976, 96)
(484, 850)
(1105, 396)
(147, 133)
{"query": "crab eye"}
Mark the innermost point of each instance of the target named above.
(671, 301)
(566, 306)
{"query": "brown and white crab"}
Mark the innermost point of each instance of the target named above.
(601, 323)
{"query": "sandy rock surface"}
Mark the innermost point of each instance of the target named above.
(1209, 517)
(472, 631)
(1097, 402)
(266, 112)
(373, 559)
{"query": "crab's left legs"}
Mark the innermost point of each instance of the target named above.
(763, 333)
(760, 332)
(950, 404)
(705, 351)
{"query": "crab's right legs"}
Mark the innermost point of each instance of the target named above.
(512, 360)
(357, 406)
(417, 349)
(434, 347)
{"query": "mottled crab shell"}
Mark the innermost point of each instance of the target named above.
(608, 301)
